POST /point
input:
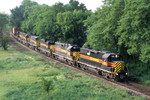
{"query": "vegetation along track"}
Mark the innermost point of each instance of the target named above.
(131, 87)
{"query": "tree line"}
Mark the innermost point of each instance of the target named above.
(120, 26)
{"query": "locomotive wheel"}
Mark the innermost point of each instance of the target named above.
(99, 73)
(78, 65)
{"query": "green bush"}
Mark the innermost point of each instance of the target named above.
(139, 72)
(5, 43)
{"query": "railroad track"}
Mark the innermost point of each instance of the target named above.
(131, 87)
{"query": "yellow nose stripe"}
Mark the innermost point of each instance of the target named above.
(119, 66)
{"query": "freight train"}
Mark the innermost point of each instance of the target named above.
(105, 63)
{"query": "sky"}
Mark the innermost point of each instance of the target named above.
(6, 5)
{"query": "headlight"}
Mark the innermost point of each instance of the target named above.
(126, 73)
(116, 73)
(116, 56)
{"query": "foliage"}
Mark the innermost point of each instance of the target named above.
(3, 21)
(75, 5)
(30, 16)
(4, 40)
(44, 21)
(47, 28)
(48, 84)
(133, 30)
(102, 31)
(17, 13)
(72, 26)
(17, 16)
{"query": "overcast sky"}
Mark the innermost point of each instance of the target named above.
(6, 5)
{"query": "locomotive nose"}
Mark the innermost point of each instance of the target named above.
(119, 65)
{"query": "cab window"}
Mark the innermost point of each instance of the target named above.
(115, 58)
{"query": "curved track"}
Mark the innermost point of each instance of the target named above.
(131, 87)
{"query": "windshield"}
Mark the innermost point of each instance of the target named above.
(75, 48)
(115, 58)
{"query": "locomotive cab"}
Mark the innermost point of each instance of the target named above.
(34, 42)
(73, 48)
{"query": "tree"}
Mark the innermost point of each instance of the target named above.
(17, 13)
(75, 5)
(41, 20)
(48, 84)
(72, 26)
(3, 21)
(102, 31)
(3, 37)
(47, 27)
(133, 30)
(31, 18)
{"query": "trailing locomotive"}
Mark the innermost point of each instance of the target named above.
(102, 63)
(24, 38)
(47, 47)
(66, 52)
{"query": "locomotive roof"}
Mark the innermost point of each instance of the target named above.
(33, 36)
(63, 43)
(96, 51)
(47, 41)
(106, 54)
(22, 33)
(69, 47)
(72, 46)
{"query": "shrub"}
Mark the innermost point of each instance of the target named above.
(5, 43)
(48, 84)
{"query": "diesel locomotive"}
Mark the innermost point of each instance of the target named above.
(105, 63)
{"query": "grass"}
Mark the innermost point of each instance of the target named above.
(21, 73)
